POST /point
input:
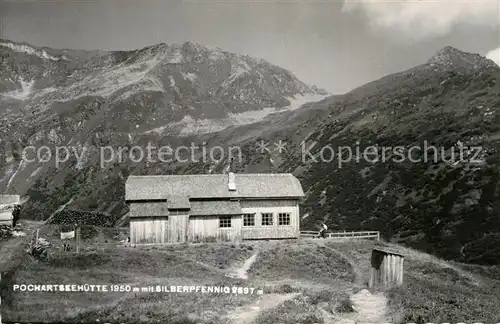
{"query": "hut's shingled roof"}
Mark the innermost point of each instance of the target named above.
(178, 202)
(207, 208)
(161, 187)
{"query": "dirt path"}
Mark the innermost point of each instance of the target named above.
(248, 314)
(368, 307)
(242, 272)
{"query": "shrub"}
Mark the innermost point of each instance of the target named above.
(88, 232)
(285, 289)
(483, 251)
(344, 306)
(321, 297)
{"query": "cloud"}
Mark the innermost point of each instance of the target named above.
(425, 18)
(494, 55)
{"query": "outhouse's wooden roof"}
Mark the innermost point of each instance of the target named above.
(387, 251)
(163, 187)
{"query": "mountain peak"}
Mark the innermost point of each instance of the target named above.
(192, 46)
(449, 50)
(449, 56)
(29, 50)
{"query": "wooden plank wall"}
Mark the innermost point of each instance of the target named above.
(159, 229)
(386, 269)
(206, 229)
(149, 223)
(149, 230)
(271, 206)
(178, 225)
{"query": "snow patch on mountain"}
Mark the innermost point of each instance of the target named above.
(35, 173)
(13, 174)
(83, 156)
(23, 93)
(149, 83)
(172, 84)
(43, 92)
(300, 100)
(192, 126)
(237, 70)
(249, 117)
(134, 77)
(175, 57)
(21, 48)
(254, 116)
(157, 130)
(189, 76)
(216, 54)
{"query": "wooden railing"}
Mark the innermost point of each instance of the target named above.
(351, 234)
(309, 233)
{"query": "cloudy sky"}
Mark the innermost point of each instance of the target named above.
(337, 45)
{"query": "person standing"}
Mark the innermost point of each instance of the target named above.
(322, 232)
(16, 213)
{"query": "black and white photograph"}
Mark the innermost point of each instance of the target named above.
(250, 161)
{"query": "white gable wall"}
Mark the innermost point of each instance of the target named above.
(275, 207)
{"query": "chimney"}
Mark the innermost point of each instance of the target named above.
(231, 183)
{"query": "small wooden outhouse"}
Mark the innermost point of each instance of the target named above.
(386, 268)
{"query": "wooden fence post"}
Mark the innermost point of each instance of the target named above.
(400, 281)
(78, 239)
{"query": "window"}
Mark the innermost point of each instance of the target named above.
(248, 219)
(225, 221)
(284, 219)
(267, 219)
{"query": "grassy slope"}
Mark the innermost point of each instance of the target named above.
(435, 290)
(169, 266)
(324, 273)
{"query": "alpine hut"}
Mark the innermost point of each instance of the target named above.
(212, 207)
